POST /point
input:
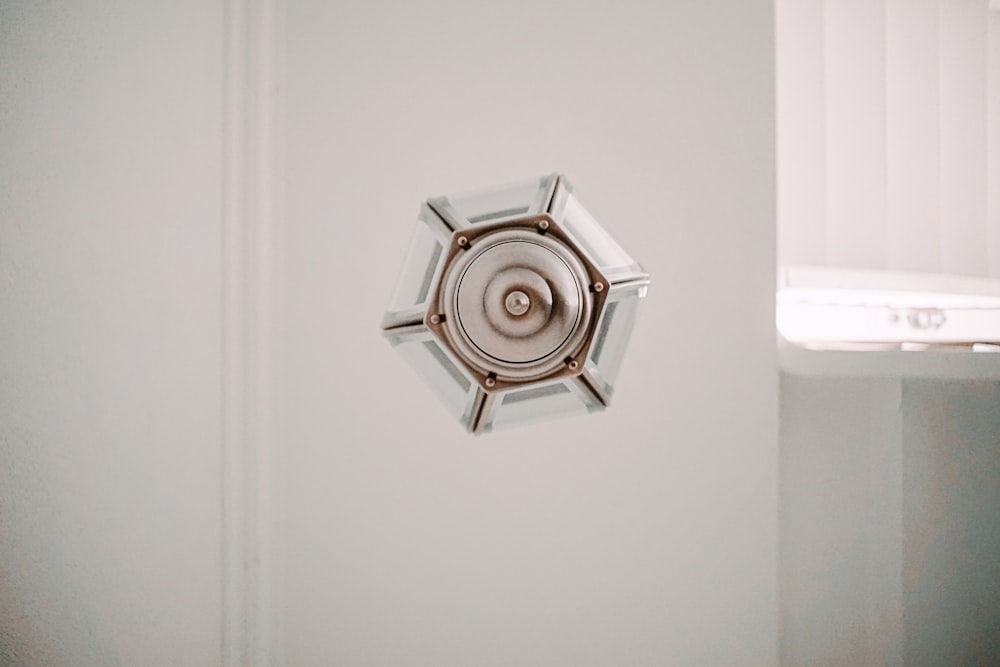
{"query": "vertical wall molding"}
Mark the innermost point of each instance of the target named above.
(251, 182)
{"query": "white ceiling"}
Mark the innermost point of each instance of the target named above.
(641, 535)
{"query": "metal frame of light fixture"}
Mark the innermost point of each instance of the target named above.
(526, 257)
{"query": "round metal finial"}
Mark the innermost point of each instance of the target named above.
(517, 303)
(550, 297)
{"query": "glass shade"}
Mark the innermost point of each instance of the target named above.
(613, 333)
(613, 262)
(443, 374)
(417, 275)
(515, 199)
(544, 401)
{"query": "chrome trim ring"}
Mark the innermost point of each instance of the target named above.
(516, 303)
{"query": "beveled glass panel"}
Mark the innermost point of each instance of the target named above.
(506, 201)
(414, 283)
(446, 378)
(608, 350)
(540, 402)
(609, 257)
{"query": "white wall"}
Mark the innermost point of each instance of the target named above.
(887, 157)
(840, 560)
(951, 501)
(643, 535)
(110, 194)
(889, 499)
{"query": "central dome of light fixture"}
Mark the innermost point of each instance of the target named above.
(515, 304)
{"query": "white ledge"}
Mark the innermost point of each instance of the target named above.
(943, 364)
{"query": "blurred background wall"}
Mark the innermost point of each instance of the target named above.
(110, 329)
(889, 159)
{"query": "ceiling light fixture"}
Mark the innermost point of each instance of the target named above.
(514, 304)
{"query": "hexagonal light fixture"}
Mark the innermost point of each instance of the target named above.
(515, 305)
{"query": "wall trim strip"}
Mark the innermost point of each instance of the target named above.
(251, 184)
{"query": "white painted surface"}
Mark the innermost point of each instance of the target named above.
(800, 119)
(110, 194)
(913, 147)
(854, 74)
(886, 114)
(884, 126)
(135, 482)
(644, 535)
(888, 503)
(951, 499)
(964, 235)
(841, 532)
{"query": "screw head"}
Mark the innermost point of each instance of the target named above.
(490, 382)
(573, 364)
(543, 224)
(598, 287)
(462, 241)
(435, 319)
